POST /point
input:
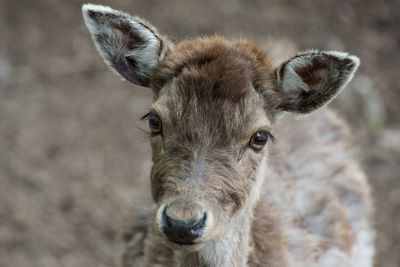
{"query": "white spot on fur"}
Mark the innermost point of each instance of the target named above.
(333, 258)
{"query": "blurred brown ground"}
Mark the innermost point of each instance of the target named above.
(72, 154)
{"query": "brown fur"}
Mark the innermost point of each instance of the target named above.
(266, 226)
(225, 68)
(211, 96)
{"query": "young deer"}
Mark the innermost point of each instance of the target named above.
(221, 197)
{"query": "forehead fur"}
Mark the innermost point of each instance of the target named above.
(215, 67)
(213, 87)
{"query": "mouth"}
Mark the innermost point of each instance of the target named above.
(182, 243)
(190, 246)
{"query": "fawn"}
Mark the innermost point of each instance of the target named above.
(219, 198)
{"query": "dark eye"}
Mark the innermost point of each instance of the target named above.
(258, 140)
(155, 124)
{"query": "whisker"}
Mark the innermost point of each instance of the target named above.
(227, 251)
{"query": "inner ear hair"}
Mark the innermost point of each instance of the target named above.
(129, 45)
(312, 79)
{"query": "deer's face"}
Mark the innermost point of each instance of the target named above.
(215, 101)
(209, 133)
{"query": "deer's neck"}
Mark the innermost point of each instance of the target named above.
(234, 245)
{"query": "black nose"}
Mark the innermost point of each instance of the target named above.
(183, 231)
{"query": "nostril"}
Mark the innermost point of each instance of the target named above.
(199, 223)
(167, 219)
(183, 231)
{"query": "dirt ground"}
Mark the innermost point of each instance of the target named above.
(72, 154)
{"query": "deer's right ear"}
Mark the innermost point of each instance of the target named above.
(128, 45)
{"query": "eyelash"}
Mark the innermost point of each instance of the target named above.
(154, 130)
(145, 117)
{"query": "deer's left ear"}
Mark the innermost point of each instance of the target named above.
(129, 45)
(312, 79)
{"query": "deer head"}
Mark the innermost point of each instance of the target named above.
(215, 101)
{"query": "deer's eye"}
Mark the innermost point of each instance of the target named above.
(258, 140)
(155, 124)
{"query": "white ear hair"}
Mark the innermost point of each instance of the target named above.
(129, 45)
(293, 81)
(312, 79)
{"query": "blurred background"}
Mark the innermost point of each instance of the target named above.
(72, 154)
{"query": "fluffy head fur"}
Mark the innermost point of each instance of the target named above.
(212, 96)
